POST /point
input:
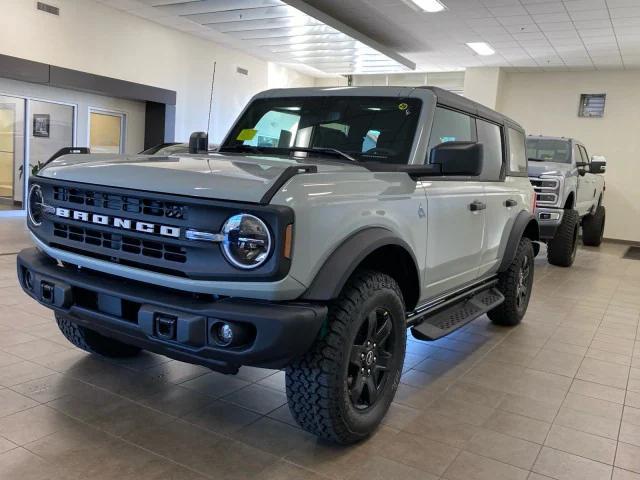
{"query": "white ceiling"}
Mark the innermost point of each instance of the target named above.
(543, 34)
(273, 30)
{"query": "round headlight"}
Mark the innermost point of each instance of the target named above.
(35, 206)
(247, 241)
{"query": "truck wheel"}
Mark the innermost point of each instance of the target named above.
(561, 249)
(515, 284)
(593, 228)
(92, 342)
(342, 387)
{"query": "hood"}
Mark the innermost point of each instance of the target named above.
(242, 178)
(536, 169)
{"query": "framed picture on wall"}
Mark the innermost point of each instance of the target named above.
(41, 125)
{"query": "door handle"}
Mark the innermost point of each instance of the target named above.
(510, 203)
(477, 205)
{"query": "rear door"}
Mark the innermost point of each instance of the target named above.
(503, 198)
(456, 213)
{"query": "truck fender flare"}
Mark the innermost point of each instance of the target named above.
(344, 260)
(525, 221)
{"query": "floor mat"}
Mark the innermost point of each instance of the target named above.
(633, 253)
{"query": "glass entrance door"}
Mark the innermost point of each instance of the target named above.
(11, 152)
(51, 129)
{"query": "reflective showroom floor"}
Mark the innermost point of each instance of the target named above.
(557, 397)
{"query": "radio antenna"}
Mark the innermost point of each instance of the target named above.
(213, 79)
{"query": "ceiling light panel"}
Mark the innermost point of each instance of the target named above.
(282, 33)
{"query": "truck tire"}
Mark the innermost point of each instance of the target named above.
(561, 249)
(515, 284)
(342, 387)
(593, 227)
(92, 342)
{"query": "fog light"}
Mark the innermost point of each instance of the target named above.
(28, 280)
(225, 334)
(230, 334)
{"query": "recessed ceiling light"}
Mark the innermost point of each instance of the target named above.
(481, 48)
(431, 6)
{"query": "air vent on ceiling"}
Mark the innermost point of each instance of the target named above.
(592, 105)
(48, 8)
(242, 71)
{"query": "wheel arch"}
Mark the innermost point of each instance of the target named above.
(374, 248)
(570, 202)
(525, 225)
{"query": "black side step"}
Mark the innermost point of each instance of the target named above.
(457, 315)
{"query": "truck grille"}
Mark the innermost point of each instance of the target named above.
(546, 190)
(120, 203)
(148, 230)
(123, 243)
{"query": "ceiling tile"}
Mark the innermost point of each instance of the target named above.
(580, 5)
(556, 26)
(551, 17)
(580, 15)
(545, 8)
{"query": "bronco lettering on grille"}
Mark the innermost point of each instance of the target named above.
(117, 222)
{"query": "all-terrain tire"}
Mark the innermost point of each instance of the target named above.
(515, 284)
(593, 227)
(561, 249)
(319, 391)
(92, 342)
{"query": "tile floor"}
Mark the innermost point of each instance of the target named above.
(557, 397)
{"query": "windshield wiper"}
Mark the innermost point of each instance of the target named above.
(325, 150)
(241, 148)
(536, 160)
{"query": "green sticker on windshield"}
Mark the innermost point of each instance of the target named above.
(246, 134)
(403, 106)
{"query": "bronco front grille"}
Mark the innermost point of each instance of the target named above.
(121, 203)
(123, 243)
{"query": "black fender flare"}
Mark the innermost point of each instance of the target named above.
(344, 260)
(525, 220)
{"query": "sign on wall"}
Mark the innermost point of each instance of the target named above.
(41, 125)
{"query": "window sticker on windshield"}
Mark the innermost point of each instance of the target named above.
(447, 139)
(403, 106)
(246, 134)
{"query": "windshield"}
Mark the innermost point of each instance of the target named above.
(549, 150)
(379, 129)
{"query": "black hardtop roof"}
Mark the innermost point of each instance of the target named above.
(458, 102)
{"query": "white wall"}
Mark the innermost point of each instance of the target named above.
(546, 103)
(483, 85)
(282, 77)
(91, 37)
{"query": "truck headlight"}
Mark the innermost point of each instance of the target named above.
(246, 241)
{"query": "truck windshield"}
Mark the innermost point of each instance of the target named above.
(379, 129)
(548, 150)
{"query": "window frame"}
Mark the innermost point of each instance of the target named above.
(584, 154)
(474, 136)
(515, 173)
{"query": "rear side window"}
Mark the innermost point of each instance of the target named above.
(490, 137)
(450, 126)
(517, 152)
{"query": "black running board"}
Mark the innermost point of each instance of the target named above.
(452, 317)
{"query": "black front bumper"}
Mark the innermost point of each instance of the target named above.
(177, 324)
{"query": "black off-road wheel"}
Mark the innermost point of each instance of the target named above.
(593, 228)
(515, 284)
(562, 248)
(92, 342)
(341, 389)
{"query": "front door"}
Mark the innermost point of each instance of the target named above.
(11, 153)
(455, 234)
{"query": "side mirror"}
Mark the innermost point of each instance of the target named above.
(198, 142)
(598, 164)
(582, 168)
(458, 158)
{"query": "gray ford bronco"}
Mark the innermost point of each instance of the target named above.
(328, 222)
(569, 194)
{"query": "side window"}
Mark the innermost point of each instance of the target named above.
(577, 155)
(490, 137)
(517, 151)
(585, 155)
(450, 126)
